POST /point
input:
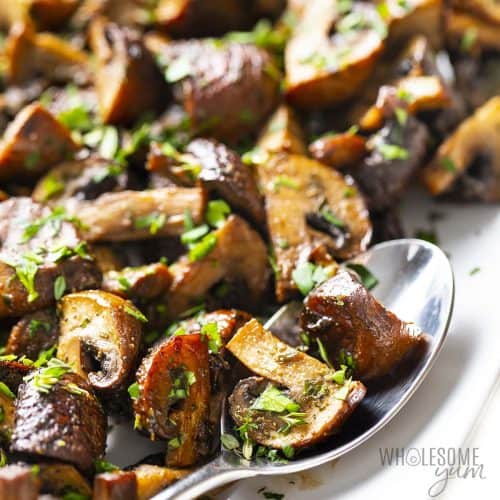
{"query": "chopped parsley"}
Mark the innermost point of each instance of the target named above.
(203, 247)
(307, 275)
(135, 313)
(109, 143)
(50, 187)
(101, 465)
(181, 382)
(272, 399)
(323, 353)
(194, 234)
(217, 213)
(134, 390)
(365, 275)
(469, 39)
(331, 218)
(53, 221)
(474, 271)
(153, 222)
(448, 164)
(401, 116)
(229, 442)
(284, 181)
(46, 377)
(392, 151)
(427, 235)
(211, 332)
(5, 390)
(178, 69)
(59, 287)
(291, 420)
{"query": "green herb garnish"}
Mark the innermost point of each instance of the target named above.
(46, 377)
(272, 399)
(101, 465)
(153, 222)
(217, 213)
(59, 287)
(135, 313)
(211, 331)
(5, 390)
(392, 151)
(366, 276)
(134, 390)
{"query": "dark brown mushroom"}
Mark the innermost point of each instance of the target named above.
(339, 150)
(310, 206)
(33, 143)
(38, 247)
(308, 387)
(128, 81)
(467, 165)
(352, 323)
(34, 333)
(63, 421)
(7, 412)
(58, 479)
(118, 485)
(12, 373)
(173, 399)
(227, 91)
(100, 337)
(18, 482)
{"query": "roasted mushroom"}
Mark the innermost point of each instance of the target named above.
(130, 215)
(227, 91)
(12, 372)
(151, 479)
(352, 324)
(309, 205)
(118, 485)
(59, 417)
(100, 337)
(328, 64)
(33, 143)
(339, 150)
(60, 479)
(39, 249)
(7, 412)
(234, 253)
(128, 82)
(173, 397)
(467, 164)
(18, 481)
(34, 333)
(298, 388)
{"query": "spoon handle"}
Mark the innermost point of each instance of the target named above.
(212, 475)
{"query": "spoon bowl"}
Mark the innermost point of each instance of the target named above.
(416, 283)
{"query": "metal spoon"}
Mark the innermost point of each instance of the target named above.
(416, 282)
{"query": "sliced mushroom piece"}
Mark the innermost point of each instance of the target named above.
(118, 485)
(143, 283)
(282, 134)
(59, 478)
(30, 55)
(332, 53)
(7, 412)
(236, 253)
(79, 180)
(108, 258)
(227, 90)
(223, 172)
(131, 215)
(353, 324)
(339, 150)
(173, 399)
(63, 421)
(33, 143)
(467, 164)
(34, 333)
(309, 206)
(396, 152)
(18, 481)
(38, 247)
(306, 384)
(12, 373)
(486, 9)
(128, 81)
(100, 337)
(151, 479)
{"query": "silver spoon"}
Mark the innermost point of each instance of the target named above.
(416, 282)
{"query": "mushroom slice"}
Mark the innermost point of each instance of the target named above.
(100, 337)
(151, 479)
(173, 400)
(353, 325)
(59, 417)
(30, 55)
(339, 150)
(226, 89)
(38, 248)
(304, 388)
(79, 180)
(332, 53)
(143, 283)
(396, 152)
(282, 134)
(223, 171)
(233, 253)
(18, 481)
(32, 143)
(309, 205)
(115, 485)
(485, 33)
(486, 9)
(132, 215)
(34, 333)
(467, 164)
(7, 411)
(59, 478)
(128, 81)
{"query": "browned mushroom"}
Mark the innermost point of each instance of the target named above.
(319, 398)
(328, 64)
(39, 250)
(467, 164)
(34, 333)
(339, 150)
(12, 372)
(235, 253)
(58, 416)
(128, 81)
(353, 324)
(173, 397)
(143, 283)
(151, 479)
(227, 90)
(59, 479)
(130, 215)
(100, 337)
(118, 485)
(33, 143)
(7, 412)
(310, 206)
(486, 9)
(30, 55)
(18, 481)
